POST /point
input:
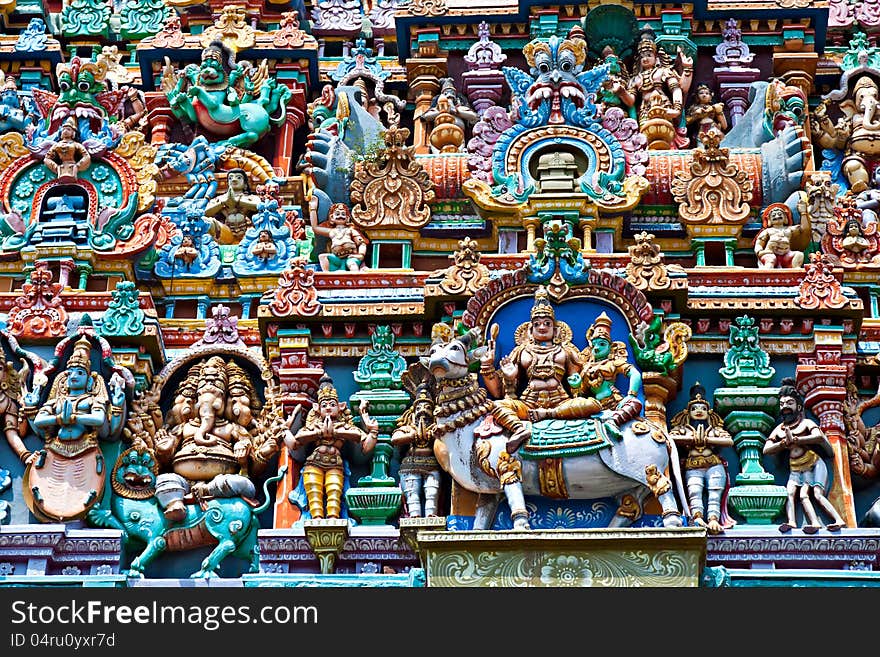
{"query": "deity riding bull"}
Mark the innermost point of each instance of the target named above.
(545, 440)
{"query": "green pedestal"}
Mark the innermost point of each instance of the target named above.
(758, 504)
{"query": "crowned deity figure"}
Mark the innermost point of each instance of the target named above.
(67, 477)
(705, 113)
(235, 206)
(603, 361)
(328, 426)
(447, 120)
(700, 431)
(211, 440)
(545, 356)
(657, 91)
(419, 469)
(808, 475)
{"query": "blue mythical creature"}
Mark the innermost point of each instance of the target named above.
(343, 133)
(558, 250)
(192, 252)
(267, 246)
(17, 112)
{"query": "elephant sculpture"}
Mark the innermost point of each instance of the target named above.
(628, 463)
(230, 523)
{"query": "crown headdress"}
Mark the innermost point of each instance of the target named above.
(81, 356)
(647, 43)
(542, 306)
(326, 390)
(601, 328)
(698, 395)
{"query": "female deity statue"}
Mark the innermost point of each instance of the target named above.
(604, 360)
(657, 90)
(67, 157)
(704, 113)
(235, 206)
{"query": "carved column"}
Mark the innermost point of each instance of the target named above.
(659, 390)
(822, 378)
(423, 72)
(796, 64)
(66, 268)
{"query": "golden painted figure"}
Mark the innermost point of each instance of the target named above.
(10, 395)
(700, 431)
(546, 358)
(329, 425)
(808, 477)
(236, 206)
(419, 469)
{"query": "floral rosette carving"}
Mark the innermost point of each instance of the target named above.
(295, 294)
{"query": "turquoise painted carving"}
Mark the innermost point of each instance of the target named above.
(192, 252)
(85, 18)
(229, 522)
(662, 352)
(33, 38)
(558, 251)
(17, 112)
(123, 316)
(746, 363)
(195, 161)
(382, 366)
(267, 246)
(141, 18)
(233, 101)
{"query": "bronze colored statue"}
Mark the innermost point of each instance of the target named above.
(808, 478)
(700, 431)
(328, 426)
(235, 206)
(67, 157)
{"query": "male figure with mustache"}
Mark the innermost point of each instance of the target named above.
(808, 472)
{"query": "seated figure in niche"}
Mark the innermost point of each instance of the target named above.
(447, 120)
(67, 157)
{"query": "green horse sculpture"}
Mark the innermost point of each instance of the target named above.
(230, 100)
(230, 523)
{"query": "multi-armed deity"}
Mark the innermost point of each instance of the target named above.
(328, 426)
(657, 91)
(214, 439)
(66, 477)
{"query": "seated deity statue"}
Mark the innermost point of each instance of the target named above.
(700, 432)
(328, 426)
(546, 358)
(67, 158)
(773, 245)
(234, 207)
(211, 440)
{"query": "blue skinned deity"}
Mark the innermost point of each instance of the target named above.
(267, 245)
(196, 161)
(16, 113)
(192, 252)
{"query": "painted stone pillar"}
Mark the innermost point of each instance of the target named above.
(748, 406)
(822, 379)
(423, 72)
(377, 497)
(160, 117)
(659, 390)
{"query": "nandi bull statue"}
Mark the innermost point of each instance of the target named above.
(589, 450)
